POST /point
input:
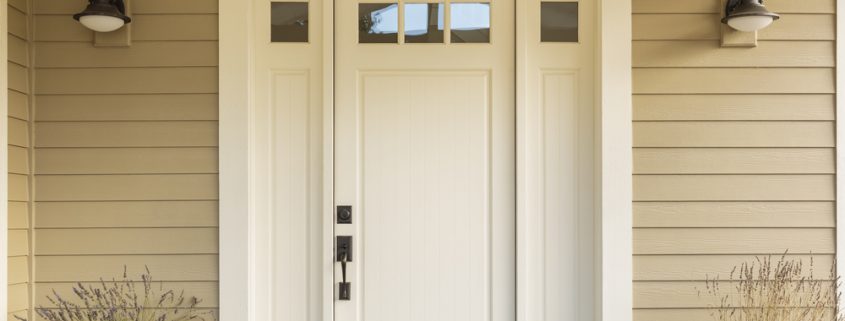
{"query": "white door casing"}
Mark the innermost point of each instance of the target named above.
(424, 153)
(293, 127)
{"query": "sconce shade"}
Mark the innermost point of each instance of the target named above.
(748, 15)
(103, 15)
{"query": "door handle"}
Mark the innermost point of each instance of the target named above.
(344, 255)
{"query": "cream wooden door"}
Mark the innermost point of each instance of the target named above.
(425, 156)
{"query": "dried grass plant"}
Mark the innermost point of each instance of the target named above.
(774, 290)
(123, 300)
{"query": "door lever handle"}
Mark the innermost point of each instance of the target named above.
(344, 247)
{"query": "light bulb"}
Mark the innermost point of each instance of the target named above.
(101, 23)
(750, 23)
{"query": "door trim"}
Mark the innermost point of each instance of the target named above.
(240, 196)
(4, 166)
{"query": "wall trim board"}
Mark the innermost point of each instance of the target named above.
(240, 195)
(4, 166)
(840, 141)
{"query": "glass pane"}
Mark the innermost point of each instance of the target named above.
(559, 22)
(378, 23)
(424, 22)
(470, 22)
(289, 22)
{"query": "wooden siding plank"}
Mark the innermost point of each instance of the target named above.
(707, 26)
(60, 28)
(126, 187)
(691, 241)
(710, 53)
(18, 270)
(17, 23)
(18, 132)
(676, 295)
(18, 188)
(127, 107)
(126, 214)
(675, 27)
(734, 188)
(698, 6)
(735, 214)
(140, 54)
(18, 297)
(18, 105)
(734, 134)
(20, 5)
(92, 268)
(18, 78)
(22, 314)
(144, 28)
(701, 267)
(18, 160)
(207, 291)
(18, 215)
(733, 107)
(18, 243)
(126, 241)
(18, 52)
(734, 161)
(127, 134)
(126, 161)
(801, 27)
(175, 27)
(182, 80)
(734, 81)
(62, 7)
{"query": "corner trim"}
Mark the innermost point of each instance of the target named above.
(840, 143)
(4, 166)
(614, 132)
(236, 248)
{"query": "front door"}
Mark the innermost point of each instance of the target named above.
(424, 105)
(388, 128)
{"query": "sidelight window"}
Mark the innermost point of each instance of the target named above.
(559, 22)
(289, 22)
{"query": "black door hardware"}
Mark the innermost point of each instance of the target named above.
(344, 214)
(344, 255)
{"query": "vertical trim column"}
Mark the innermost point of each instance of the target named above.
(4, 158)
(236, 173)
(840, 142)
(615, 140)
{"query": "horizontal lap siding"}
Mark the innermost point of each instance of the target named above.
(19, 159)
(126, 149)
(733, 148)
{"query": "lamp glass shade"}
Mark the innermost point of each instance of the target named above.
(101, 23)
(750, 23)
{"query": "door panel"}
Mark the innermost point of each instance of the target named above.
(424, 153)
(425, 236)
(287, 131)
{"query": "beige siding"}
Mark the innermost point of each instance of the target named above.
(20, 173)
(734, 148)
(126, 149)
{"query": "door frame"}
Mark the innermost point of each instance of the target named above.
(240, 195)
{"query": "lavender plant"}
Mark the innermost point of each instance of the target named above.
(769, 290)
(123, 300)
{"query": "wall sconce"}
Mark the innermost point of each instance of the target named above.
(748, 15)
(103, 15)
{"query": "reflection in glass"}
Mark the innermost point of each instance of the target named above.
(559, 22)
(470, 22)
(378, 23)
(289, 22)
(424, 22)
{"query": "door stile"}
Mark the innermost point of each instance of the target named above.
(328, 266)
